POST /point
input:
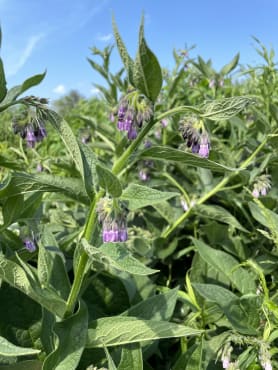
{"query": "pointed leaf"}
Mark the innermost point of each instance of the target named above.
(108, 181)
(15, 91)
(139, 196)
(127, 61)
(230, 66)
(22, 183)
(147, 72)
(71, 334)
(225, 108)
(220, 214)
(3, 83)
(12, 209)
(165, 153)
(119, 330)
(117, 256)
(51, 265)
(239, 314)
(131, 357)
(158, 307)
(8, 349)
(89, 165)
(227, 265)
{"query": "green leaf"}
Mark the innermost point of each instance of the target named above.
(111, 363)
(158, 307)
(21, 278)
(119, 330)
(139, 196)
(8, 349)
(131, 357)
(108, 181)
(230, 66)
(51, 265)
(12, 209)
(23, 183)
(147, 72)
(264, 216)
(3, 83)
(117, 256)
(71, 334)
(165, 153)
(225, 108)
(235, 309)
(23, 365)
(127, 61)
(220, 214)
(15, 91)
(89, 167)
(196, 360)
(68, 138)
(222, 262)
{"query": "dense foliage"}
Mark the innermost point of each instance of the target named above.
(139, 230)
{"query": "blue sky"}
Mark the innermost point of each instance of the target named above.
(57, 35)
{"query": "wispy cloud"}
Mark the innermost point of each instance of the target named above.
(59, 89)
(104, 38)
(14, 66)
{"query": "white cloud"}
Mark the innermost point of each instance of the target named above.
(94, 91)
(104, 38)
(59, 89)
(14, 67)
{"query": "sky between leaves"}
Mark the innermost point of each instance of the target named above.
(56, 35)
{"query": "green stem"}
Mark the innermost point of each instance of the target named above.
(219, 187)
(83, 259)
(175, 183)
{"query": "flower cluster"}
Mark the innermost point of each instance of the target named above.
(30, 123)
(134, 109)
(262, 186)
(30, 244)
(264, 357)
(113, 220)
(198, 141)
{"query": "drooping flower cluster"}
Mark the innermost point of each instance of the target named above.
(113, 219)
(261, 186)
(195, 139)
(134, 109)
(30, 123)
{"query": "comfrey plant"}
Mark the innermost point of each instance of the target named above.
(114, 260)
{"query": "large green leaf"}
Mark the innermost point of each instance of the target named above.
(158, 307)
(139, 196)
(220, 214)
(225, 108)
(264, 216)
(108, 181)
(51, 265)
(8, 349)
(3, 83)
(116, 255)
(89, 167)
(131, 357)
(147, 72)
(119, 330)
(23, 365)
(230, 66)
(127, 61)
(223, 262)
(24, 280)
(23, 183)
(12, 209)
(243, 313)
(71, 334)
(15, 91)
(165, 153)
